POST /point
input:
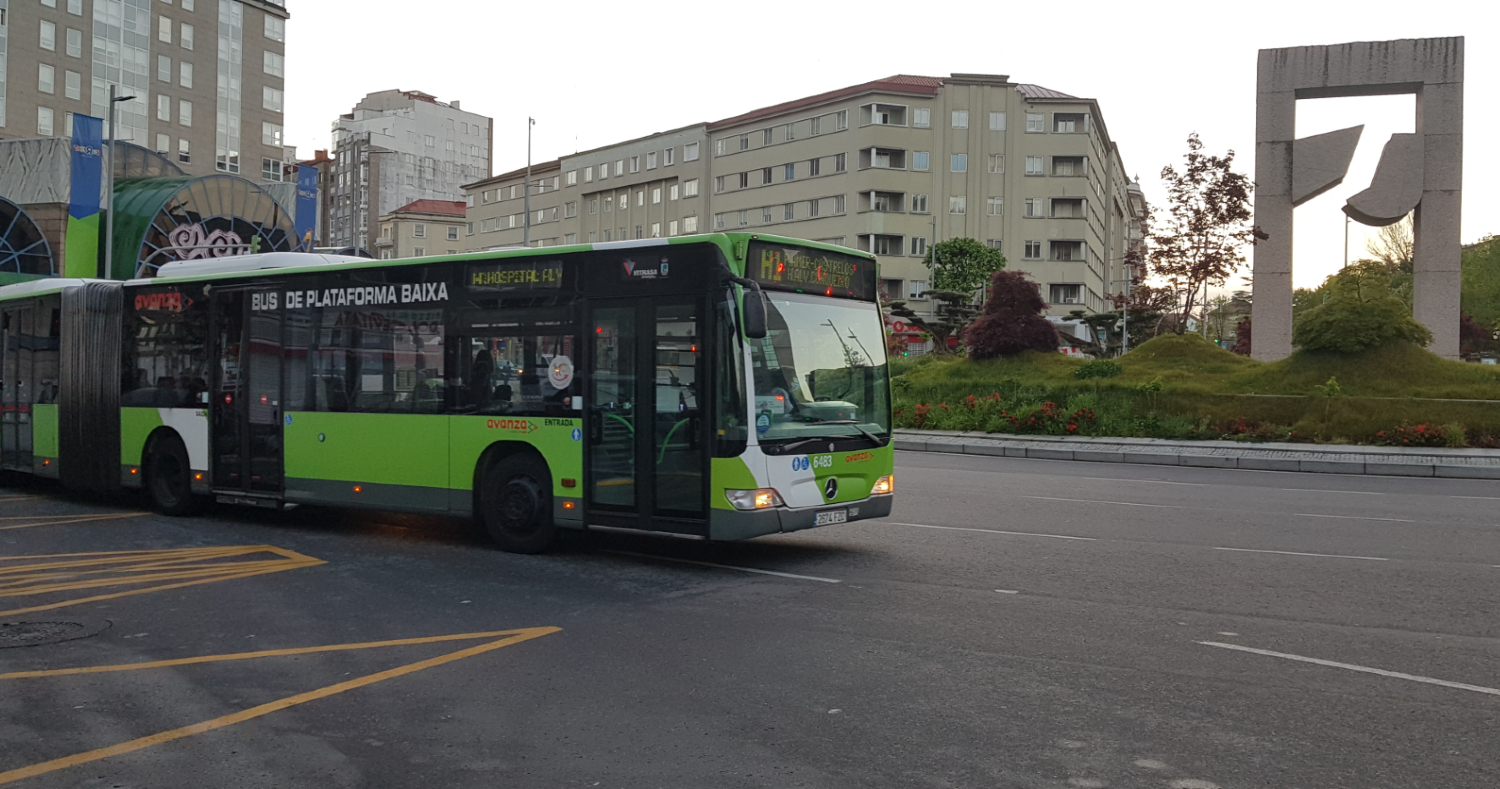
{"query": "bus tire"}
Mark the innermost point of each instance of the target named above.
(169, 477)
(515, 505)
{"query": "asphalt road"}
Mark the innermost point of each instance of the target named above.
(1015, 623)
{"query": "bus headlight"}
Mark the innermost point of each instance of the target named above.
(885, 484)
(757, 499)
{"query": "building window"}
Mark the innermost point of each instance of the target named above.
(840, 162)
(570, 209)
(49, 36)
(960, 119)
(997, 162)
(744, 142)
(656, 230)
(44, 120)
(186, 39)
(453, 233)
(73, 85)
(690, 152)
(619, 171)
(816, 126)
(1035, 122)
(814, 167)
(275, 28)
(813, 207)
(640, 197)
(184, 152)
(997, 121)
(668, 158)
(744, 180)
(651, 160)
(921, 160)
(75, 42)
(791, 131)
(672, 228)
(588, 174)
(387, 254)
(572, 178)
(1034, 165)
(993, 243)
(570, 238)
(46, 78)
(1065, 294)
(604, 171)
(994, 205)
(635, 164)
(958, 204)
(788, 212)
(958, 163)
(163, 107)
(75, 7)
(185, 113)
(185, 74)
(673, 192)
(838, 204)
(690, 224)
(469, 229)
(419, 252)
(916, 289)
(918, 246)
(690, 188)
(271, 170)
(655, 195)
(919, 204)
(765, 215)
(593, 206)
(163, 68)
(841, 120)
(1033, 250)
(419, 230)
(273, 99)
(1035, 206)
(718, 184)
(164, 144)
(1069, 122)
(164, 29)
(921, 118)
(1067, 166)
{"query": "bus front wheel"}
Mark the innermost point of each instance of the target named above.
(169, 477)
(516, 505)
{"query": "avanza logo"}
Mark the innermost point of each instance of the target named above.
(520, 425)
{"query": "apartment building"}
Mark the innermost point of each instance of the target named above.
(207, 76)
(647, 188)
(889, 167)
(421, 228)
(397, 147)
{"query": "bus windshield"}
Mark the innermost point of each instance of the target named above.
(820, 371)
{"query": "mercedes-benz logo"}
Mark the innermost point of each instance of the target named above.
(831, 488)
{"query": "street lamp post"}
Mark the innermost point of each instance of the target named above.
(526, 190)
(109, 188)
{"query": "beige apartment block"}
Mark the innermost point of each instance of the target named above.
(889, 167)
(208, 77)
(421, 228)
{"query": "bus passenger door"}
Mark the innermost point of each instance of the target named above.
(246, 403)
(15, 388)
(646, 457)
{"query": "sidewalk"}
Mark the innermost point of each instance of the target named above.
(1325, 459)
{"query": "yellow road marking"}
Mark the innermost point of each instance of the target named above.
(82, 519)
(401, 642)
(266, 709)
(51, 574)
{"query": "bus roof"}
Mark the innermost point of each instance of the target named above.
(38, 287)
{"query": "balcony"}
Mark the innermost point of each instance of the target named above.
(884, 202)
(882, 158)
(1066, 251)
(1069, 166)
(882, 244)
(1068, 208)
(1069, 122)
(1065, 294)
(882, 115)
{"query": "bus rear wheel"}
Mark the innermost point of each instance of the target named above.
(515, 505)
(169, 477)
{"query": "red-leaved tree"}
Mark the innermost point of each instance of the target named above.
(1012, 319)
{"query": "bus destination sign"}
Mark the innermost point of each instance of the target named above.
(811, 270)
(517, 275)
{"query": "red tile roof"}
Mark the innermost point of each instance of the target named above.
(900, 83)
(448, 207)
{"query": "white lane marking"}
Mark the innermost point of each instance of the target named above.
(1150, 764)
(1147, 481)
(1350, 492)
(1351, 517)
(1352, 667)
(1227, 633)
(1096, 501)
(1296, 553)
(1007, 591)
(728, 567)
(994, 531)
(1481, 498)
(1191, 783)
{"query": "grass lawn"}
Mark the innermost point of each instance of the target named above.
(1185, 387)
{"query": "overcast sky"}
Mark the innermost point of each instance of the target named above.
(594, 73)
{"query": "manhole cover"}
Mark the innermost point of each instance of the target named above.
(31, 634)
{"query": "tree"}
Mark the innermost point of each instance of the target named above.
(1394, 245)
(1360, 310)
(1242, 337)
(1480, 295)
(962, 264)
(1202, 238)
(951, 312)
(1011, 321)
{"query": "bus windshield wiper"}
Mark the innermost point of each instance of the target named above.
(784, 448)
(854, 424)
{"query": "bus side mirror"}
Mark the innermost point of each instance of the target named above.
(753, 315)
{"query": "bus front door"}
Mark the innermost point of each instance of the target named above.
(15, 388)
(246, 398)
(647, 451)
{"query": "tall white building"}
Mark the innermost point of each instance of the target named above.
(397, 147)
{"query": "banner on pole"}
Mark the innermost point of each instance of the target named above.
(307, 206)
(81, 249)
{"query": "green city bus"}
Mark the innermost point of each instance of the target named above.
(714, 387)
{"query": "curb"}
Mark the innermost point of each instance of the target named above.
(1161, 453)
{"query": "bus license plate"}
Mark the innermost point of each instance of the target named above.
(831, 517)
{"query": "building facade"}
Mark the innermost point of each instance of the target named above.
(397, 147)
(208, 76)
(889, 167)
(421, 228)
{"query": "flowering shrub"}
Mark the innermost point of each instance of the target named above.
(1423, 435)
